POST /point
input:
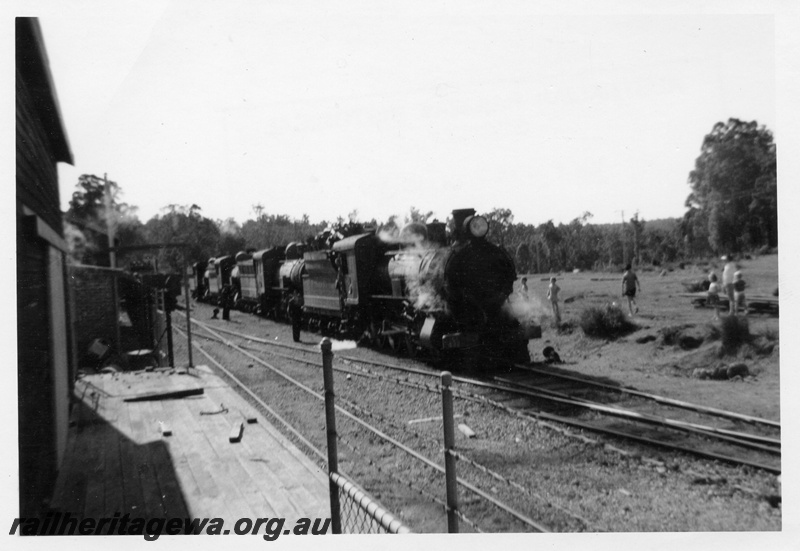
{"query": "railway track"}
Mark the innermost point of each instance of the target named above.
(556, 395)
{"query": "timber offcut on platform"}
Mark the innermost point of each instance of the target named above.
(158, 444)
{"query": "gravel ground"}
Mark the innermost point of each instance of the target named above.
(563, 479)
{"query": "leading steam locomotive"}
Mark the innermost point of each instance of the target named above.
(418, 291)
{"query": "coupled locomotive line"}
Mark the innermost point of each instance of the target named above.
(537, 526)
(571, 422)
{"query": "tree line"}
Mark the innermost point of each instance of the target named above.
(731, 208)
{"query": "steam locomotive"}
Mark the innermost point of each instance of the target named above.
(416, 292)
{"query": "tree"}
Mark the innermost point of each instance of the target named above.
(500, 221)
(183, 224)
(523, 258)
(95, 210)
(416, 215)
(231, 240)
(638, 229)
(733, 186)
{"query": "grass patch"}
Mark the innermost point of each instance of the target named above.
(607, 322)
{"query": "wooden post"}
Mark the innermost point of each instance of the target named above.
(330, 423)
(168, 321)
(449, 458)
(112, 256)
(188, 307)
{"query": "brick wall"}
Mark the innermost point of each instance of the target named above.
(95, 313)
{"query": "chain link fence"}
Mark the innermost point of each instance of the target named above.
(360, 514)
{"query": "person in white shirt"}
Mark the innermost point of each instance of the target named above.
(727, 282)
(552, 294)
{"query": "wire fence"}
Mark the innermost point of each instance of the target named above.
(360, 514)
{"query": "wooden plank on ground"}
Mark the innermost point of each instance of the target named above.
(145, 435)
(165, 470)
(70, 492)
(133, 503)
(229, 471)
(175, 455)
(235, 434)
(203, 496)
(165, 395)
(112, 482)
(94, 463)
(268, 485)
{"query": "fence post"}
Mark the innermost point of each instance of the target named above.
(188, 301)
(330, 424)
(449, 458)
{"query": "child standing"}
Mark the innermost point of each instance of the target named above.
(552, 294)
(713, 294)
(523, 289)
(629, 284)
(738, 293)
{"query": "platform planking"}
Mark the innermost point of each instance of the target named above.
(118, 460)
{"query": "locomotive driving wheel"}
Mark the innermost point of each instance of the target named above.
(410, 346)
(388, 339)
(371, 334)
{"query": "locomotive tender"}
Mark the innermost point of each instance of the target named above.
(412, 293)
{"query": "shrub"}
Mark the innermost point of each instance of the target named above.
(606, 322)
(771, 334)
(735, 331)
(670, 334)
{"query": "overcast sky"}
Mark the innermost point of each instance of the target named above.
(322, 109)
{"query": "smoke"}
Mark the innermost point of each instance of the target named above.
(79, 246)
(528, 309)
(343, 345)
(414, 234)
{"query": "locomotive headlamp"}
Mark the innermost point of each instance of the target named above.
(478, 226)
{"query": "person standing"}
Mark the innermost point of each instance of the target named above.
(629, 285)
(523, 288)
(552, 294)
(713, 294)
(727, 282)
(738, 294)
(226, 301)
(295, 312)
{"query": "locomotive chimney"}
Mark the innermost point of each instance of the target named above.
(459, 215)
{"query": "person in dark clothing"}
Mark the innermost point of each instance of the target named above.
(296, 315)
(226, 301)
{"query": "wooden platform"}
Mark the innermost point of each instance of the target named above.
(755, 303)
(175, 458)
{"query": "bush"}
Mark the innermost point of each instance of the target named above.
(735, 331)
(607, 322)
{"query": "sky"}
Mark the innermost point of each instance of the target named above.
(328, 108)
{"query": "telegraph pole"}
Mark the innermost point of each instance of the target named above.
(112, 255)
(624, 242)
